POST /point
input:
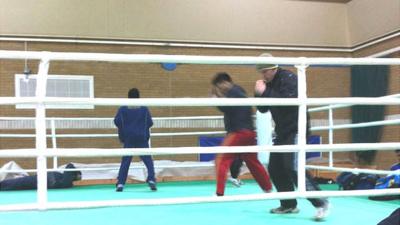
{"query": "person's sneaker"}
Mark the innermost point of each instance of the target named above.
(322, 212)
(152, 185)
(268, 191)
(282, 210)
(236, 182)
(120, 188)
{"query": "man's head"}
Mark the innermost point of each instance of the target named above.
(267, 71)
(134, 93)
(221, 83)
(220, 78)
(398, 154)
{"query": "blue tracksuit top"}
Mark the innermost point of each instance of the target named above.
(133, 125)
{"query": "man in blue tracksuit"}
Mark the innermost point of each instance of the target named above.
(55, 180)
(279, 83)
(133, 125)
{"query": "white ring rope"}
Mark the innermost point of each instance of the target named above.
(168, 102)
(101, 152)
(114, 135)
(209, 164)
(357, 125)
(317, 128)
(323, 108)
(110, 119)
(197, 200)
(353, 170)
(200, 164)
(191, 59)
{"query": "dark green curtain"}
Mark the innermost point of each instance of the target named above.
(368, 81)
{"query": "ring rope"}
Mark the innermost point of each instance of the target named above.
(198, 101)
(100, 152)
(196, 200)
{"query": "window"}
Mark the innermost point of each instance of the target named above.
(57, 86)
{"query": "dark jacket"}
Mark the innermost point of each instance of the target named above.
(54, 180)
(237, 117)
(133, 124)
(60, 180)
(284, 85)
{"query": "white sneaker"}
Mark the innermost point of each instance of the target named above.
(322, 212)
(236, 182)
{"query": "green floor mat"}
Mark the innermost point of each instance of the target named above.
(346, 210)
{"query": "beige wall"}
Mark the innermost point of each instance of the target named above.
(280, 22)
(369, 19)
(253, 21)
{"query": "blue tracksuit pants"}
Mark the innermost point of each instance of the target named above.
(126, 162)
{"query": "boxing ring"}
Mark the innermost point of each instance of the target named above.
(42, 152)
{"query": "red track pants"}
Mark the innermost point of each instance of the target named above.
(224, 161)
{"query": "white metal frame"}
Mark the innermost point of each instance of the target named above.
(332, 127)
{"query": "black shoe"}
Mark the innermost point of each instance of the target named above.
(152, 185)
(282, 210)
(120, 188)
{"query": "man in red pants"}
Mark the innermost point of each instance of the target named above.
(239, 126)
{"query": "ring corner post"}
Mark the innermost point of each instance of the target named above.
(41, 139)
(302, 127)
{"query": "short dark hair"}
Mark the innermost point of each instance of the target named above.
(134, 93)
(220, 77)
(397, 150)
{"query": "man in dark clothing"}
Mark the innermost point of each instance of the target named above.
(55, 180)
(280, 83)
(133, 125)
(240, 132)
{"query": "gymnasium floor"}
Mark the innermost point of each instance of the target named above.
(349, 210)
